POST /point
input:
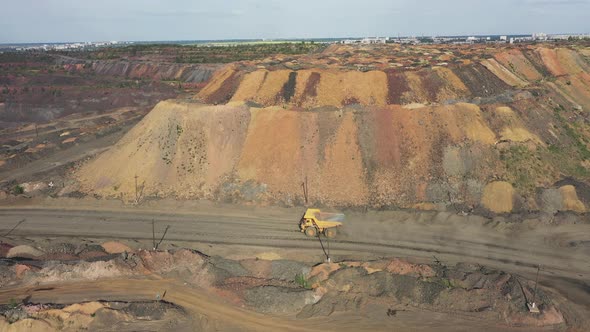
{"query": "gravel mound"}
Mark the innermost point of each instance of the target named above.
(272, 299)
(91, 251)
(224, 268)
(4, 248)
(329, 304)
(287, 270)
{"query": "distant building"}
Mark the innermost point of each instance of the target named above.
(504, 38)
(540, 36)
(374, 40)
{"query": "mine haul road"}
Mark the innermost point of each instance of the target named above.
(562, 250)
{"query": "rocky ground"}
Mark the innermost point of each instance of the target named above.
(277, 288)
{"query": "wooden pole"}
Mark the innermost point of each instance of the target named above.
(136, 199)
(153, 235)
(536, 281)
(306, 191)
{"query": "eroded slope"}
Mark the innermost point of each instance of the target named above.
(486, 133)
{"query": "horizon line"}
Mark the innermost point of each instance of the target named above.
(283, 38)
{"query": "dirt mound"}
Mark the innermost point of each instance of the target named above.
(20, 270)
(288, 270)
(24, 251)
(91, 251)
(401, 267)
(498, 196)
(518, 63)
(278, 300)
(222, 86)
(321, 87)
(142, 69)
(4, 249)
(342, 153)
(87, 308)
(504, 73)
(27, 324)
(82, 271)
(94, 316)
(113, 247)
(187, 265)
(344, 132)
(570, 199)
(460, 289)
(258, 268)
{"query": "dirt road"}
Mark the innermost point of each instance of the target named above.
(562, 249)
(63, 157)
(209, 314)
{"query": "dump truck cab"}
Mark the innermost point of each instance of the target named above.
(314, 221)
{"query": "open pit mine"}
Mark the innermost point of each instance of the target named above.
(499, 130)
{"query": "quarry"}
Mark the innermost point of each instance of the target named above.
(145, 193)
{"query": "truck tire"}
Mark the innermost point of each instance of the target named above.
(330, 233)
(311, 231)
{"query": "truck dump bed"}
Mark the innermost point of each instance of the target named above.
(326, 216)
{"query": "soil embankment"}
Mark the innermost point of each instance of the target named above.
(460, 135)
(149, 70)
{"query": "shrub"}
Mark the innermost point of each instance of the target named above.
(18, 190)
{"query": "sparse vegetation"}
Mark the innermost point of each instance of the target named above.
(525, 168)
(18, 190)
(446, 282)
(12, 304)
(201, 53)
(573, 134)
(302, 281)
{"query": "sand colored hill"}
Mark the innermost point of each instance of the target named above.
(173, 150)
(571, 200)
(515, 61)
(504, 73)
(465, 80)
(498, 197)
(388, 156)
(394, 135)
(512, 127)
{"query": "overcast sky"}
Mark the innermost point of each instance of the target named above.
(84, 20)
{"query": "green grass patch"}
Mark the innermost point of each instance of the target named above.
(521, 166)
(302, 281)
(572, 133)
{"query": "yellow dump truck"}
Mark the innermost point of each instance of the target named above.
(314, 221)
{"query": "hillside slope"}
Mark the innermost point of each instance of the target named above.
(504, 133)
